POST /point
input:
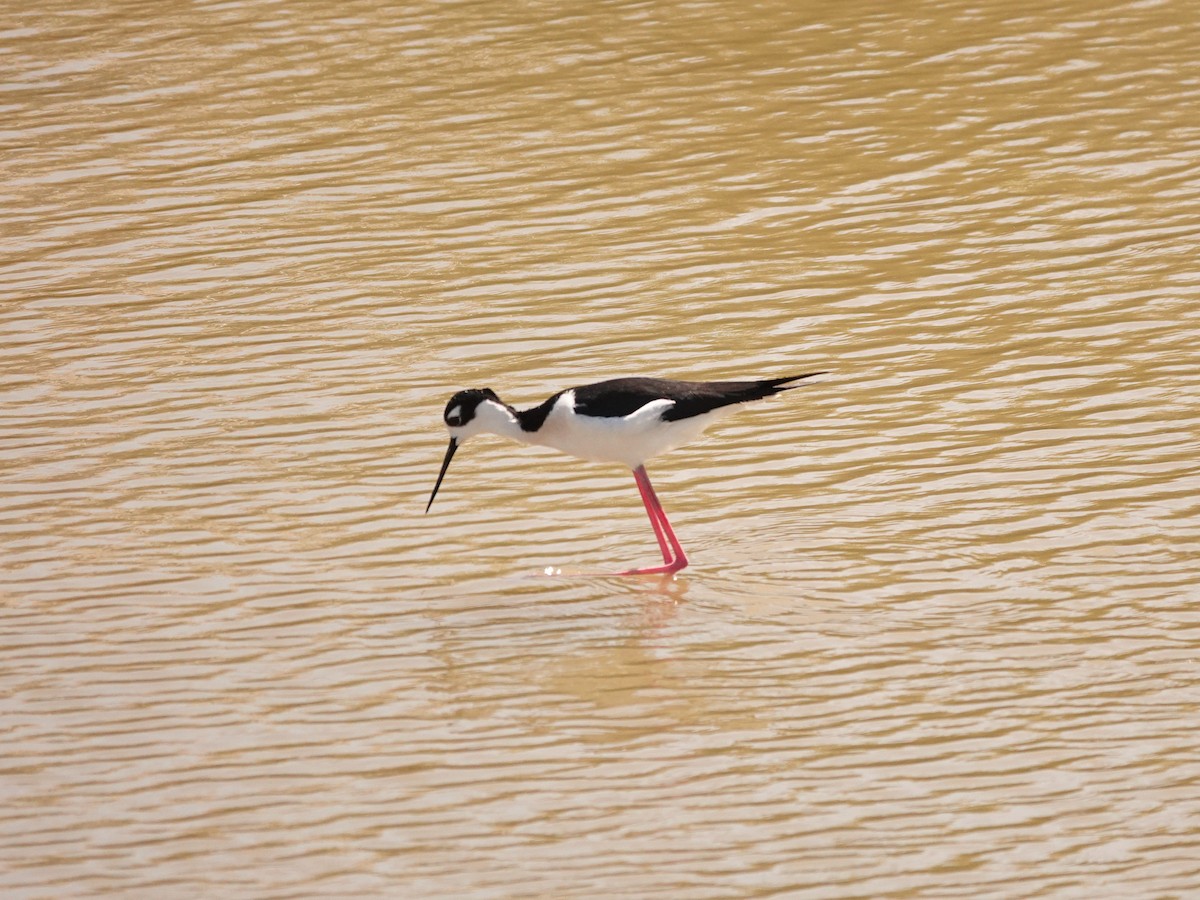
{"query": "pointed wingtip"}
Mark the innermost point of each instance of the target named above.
(785, 384)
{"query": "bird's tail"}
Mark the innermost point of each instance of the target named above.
(776, 385)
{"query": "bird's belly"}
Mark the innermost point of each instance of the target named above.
(616, 439)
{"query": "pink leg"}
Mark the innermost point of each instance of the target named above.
(662, 529)
(647, 493)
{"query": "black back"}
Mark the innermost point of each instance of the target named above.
(533, 419)
(620, 397)
(623, 396)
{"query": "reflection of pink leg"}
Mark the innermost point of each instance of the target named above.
(662, 529)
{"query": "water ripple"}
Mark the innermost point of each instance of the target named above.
(939, 634)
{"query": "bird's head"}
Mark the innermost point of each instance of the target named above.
(470, 412)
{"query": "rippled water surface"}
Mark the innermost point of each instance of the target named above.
(940, 636)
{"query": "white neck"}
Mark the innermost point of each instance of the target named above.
(495, 418)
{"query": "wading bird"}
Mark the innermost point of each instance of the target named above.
(626, 420)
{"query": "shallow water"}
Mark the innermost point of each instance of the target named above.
(940, 633)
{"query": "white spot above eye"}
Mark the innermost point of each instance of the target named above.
(454, 414)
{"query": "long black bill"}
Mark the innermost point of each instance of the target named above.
(442, 474)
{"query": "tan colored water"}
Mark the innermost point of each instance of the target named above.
(941, 633)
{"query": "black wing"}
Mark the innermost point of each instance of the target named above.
(623, 396)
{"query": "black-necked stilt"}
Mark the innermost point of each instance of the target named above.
(626, 420)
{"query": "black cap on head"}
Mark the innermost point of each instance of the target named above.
(461, 408)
